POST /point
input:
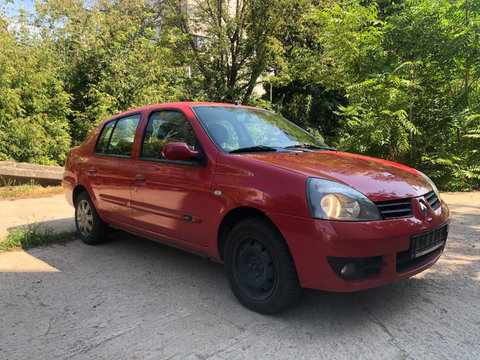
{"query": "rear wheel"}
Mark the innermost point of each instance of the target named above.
(260, 268)
(90, 227)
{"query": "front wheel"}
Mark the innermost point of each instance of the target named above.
(90, 227)
(260, 268)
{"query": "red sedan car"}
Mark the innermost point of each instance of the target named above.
(242, 185)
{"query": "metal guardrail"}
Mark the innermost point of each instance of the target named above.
(22, 173)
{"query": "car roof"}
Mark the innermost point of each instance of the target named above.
(179, 105)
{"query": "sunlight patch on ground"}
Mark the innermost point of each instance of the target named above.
(460, 258)
(20, 261)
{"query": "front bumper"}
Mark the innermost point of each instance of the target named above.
(313, 241)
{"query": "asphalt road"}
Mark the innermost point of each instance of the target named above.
(135, 299)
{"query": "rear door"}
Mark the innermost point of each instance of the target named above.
(112, 170)
(171, 198)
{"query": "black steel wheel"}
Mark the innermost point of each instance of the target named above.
(260, 268)
(255, 269)
(90, 227)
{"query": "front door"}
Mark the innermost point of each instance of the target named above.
(171, 198)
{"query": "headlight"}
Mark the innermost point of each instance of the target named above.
(434, 188)
(333, 201)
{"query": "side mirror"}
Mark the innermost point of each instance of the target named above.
(178, 151)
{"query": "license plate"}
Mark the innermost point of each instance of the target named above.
(429, 241)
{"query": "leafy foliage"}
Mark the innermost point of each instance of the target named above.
(392, 79)
(409, 72)
(32, 235)
(228, 45)
(33, 104)
(111, 58)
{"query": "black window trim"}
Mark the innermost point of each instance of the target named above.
(192, 163)
(116, 120)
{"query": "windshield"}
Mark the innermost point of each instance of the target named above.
(234, 128)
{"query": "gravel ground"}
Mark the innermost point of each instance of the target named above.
(135, 299)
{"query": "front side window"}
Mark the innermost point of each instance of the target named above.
(117, 136)
(165, 127)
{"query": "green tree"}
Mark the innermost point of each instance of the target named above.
(112, 59)
(409, 72)
(228, 45)
(33, 104)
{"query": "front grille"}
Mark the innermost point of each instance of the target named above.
(393, 209)
(432, 199)
(423, 247)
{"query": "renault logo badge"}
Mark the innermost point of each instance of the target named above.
(424, 209)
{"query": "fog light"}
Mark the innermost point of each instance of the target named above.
(348, 270)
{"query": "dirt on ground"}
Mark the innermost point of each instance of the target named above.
(130, 298)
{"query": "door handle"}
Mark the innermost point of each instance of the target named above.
(140, 179)
(92, 171)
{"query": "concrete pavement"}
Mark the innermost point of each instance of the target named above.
(134, 299)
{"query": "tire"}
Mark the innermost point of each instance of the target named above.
(260, 268)
(90, 227)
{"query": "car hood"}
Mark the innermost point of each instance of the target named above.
(378, 179)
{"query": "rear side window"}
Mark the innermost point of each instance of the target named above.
(165, 127)
(117, 136)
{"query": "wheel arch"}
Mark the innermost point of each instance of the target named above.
(232, 218)
(77, 191)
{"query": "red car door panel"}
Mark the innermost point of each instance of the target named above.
(173, 200)
(111, 185)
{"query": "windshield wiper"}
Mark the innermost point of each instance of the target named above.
(257, 148)
(310, 147)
